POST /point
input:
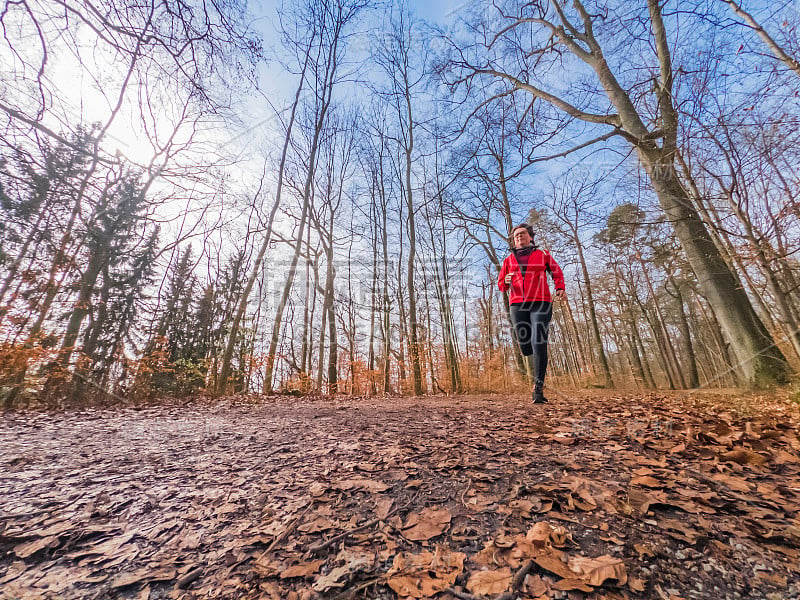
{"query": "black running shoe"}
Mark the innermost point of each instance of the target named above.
(539, 398)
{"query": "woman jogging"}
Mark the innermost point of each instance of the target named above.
(524, 273)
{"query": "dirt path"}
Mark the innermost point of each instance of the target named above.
(656, 496)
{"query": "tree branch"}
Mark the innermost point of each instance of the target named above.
(776, 49)
(612, 119)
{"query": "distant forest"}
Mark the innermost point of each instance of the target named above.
(197, 199)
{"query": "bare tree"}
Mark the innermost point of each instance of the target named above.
(332, 19)
(571, 208)
(396, 57)
(524, 43)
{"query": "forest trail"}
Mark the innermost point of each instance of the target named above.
(595, 495)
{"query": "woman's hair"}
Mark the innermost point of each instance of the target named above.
(523, 226)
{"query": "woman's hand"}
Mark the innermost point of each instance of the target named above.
(561, 294)
(509, 277)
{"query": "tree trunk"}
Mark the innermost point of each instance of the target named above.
(413, 341)
(333, 341)
(598, 341)
(760, 361)
(693, 378)
(670, 358)
(225, 368)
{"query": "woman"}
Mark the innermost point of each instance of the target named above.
(524, 273)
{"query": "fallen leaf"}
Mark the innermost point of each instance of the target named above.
(647, 481)
(484, 583)
(782, 457)
(536, 586)
(383, 508)
(426, 524)
(744, 457)
(425, 574)
(543, 534)
(554, 561)
(302, 570)
(596, 570)
(317, 525)
(566, 585)
(736, 483)
(30, 548)
(126, 579)
(636, 585)
(317, 489)
(361, 483)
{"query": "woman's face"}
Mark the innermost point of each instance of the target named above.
(521, 238)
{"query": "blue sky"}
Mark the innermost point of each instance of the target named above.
(440, 12)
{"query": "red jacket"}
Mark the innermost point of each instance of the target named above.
(534, 286)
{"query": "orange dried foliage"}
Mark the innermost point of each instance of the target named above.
(16, 359)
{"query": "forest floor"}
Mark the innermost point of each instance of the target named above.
(594, 495)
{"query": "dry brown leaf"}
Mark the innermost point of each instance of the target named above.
(536, 586)
(638, 502)
(426, 524)
(355, 562)
(555, 562)
(361, 483)
(596, 570)
(425, 574)
(736, 483)
(743, 456)
(566, 585)
(636, 585)
(564, 438)
(317, 489)
(383, 507)
(782, 457)
(484, 583)
(679, 530)
(317, 525)
(543, 534)
(524, 507)
(647, 481)
(126, 579)
(30, 548)
(302, 569)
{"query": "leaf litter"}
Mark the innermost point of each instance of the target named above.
(468, 497)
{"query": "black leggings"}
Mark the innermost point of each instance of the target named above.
(531, 323)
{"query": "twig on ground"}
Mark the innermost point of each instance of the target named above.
(519, 577)
(289, 528)
(463, 595)
(464, 493)
(190, 577)
(516, 583)
(359, 587)
(330, 542)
